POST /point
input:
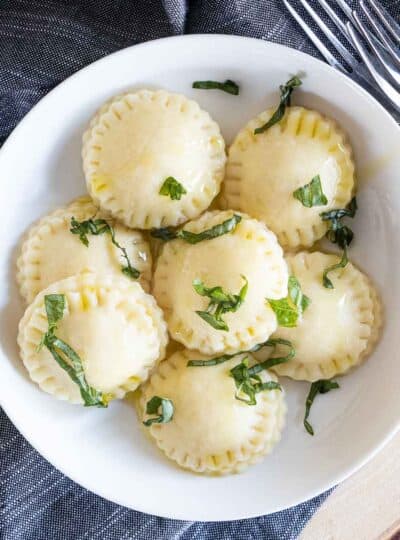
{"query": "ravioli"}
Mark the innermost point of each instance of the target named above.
(140, 139)
(249, 252)
(339, 327)
(264, 170)
(51, 252)
(116, 328)
(212, 432)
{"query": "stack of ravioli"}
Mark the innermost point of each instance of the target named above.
(136, 311)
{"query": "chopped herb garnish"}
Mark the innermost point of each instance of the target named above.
(311, 194)
(246, 379)
(168, 233)
(64, 355)
(162, 407)
(228, 86)
(300, 300)
(286, 93)
(289, 309)
(248, 385)
(275, 360)
(173, 189)
(339, 234)
(327, 283)
(247, 382)
(221, 302)
(319, 387)
(97, 227)
(225, 357)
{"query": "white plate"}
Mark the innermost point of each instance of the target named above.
(105, 450)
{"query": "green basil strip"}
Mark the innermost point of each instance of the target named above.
(286, 93)
(168, 233)
(311, 194)
(173, 189)
(221, 302)
(318, 387)
(64, 354)
(96, 227)
(289, 309)
(225, 357)
(162, 407)
(327, 283)
(228, 86)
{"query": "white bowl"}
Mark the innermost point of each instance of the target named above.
(106, 450)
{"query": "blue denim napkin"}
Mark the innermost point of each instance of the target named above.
(41, 43)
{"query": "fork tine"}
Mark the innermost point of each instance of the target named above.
(386, 87)
(334, 18)
(350, 14)
(315, 39)
(388, 21)
(351, 61)
(346, 9)
(383, 35)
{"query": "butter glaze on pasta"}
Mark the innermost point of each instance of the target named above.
(250, 250)
(211, 431)
(264, 170)
(113, 325)
(139, 139)
(50, 252)
(339, 327)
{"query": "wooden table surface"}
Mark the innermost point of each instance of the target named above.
(364, 507)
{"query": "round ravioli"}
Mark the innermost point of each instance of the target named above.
(264, 171)
(116, 329)
(339, 327)
(248, 254)
(211, 431)
(51, 252)
(141, 142)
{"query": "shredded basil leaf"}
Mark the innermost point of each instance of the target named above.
(214, 361)
(221, 302)
(286, 93)
(165, 233)
(289, 309)
(339, 234)
(54, 305)
(285, 311)
(213, 320)
(173, 189)
(311, 194)
(327, 283)
(228, 86)
(168, 233)
(65, 356)
(164, 415)
(300, 300)
(319, 387)
(225, 357)
(96, 227)
(274, 360)
(249, 384)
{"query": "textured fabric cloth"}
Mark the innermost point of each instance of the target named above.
(41, 43)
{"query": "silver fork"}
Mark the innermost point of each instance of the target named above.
(376, 43)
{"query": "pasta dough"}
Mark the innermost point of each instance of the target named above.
(339, 327)
(211, 431)
(51, 252)
(264, 170)
(250, 251)
(114, 326)
(137, 141)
